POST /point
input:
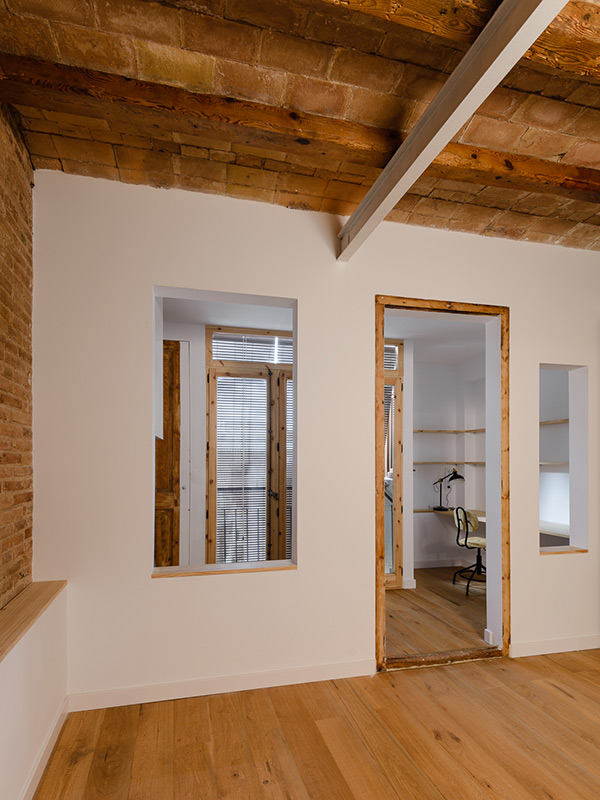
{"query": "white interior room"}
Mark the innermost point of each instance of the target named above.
(125, 636)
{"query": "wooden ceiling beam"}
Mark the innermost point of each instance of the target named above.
(458, 21)
(100, 96)
(56, 87)
(570, 42)
(460, 162)
(512, 29)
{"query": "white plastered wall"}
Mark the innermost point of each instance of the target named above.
(99, 249)
(33, 687)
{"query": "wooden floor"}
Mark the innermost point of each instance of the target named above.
(506, 728)
(435, 617)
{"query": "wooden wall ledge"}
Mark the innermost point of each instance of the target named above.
(19, 615)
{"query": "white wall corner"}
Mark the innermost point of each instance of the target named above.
(39, 766)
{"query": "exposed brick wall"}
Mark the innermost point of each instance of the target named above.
(16, 280)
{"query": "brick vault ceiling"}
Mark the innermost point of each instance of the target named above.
(303, 103)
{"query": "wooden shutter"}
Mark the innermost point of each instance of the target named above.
(166, 503)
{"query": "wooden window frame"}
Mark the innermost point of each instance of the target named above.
(416, 304)
(395, 378)
(277, 446)
(217, 362)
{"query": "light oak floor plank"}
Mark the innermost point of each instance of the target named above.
(435, 617)
(524, 729)
(67, 771)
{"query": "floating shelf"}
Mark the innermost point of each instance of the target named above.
(456, 463)
(428, 430)
(554, 422)
(554, 463)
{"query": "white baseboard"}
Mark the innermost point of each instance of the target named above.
(152, 693)
(521, 649)
(409, 583)
(44, 754)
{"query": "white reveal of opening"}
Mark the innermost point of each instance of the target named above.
(563, 456)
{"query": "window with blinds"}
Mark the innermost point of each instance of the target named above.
(252, 347)
(388, 423)
(390, 356)
(250, 447)
(241, 507)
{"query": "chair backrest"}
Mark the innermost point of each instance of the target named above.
(466, 523)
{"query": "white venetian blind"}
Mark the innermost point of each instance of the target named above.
(241, 469)
(390, 356)
(252, 347)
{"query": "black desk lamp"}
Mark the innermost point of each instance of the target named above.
(453, 476)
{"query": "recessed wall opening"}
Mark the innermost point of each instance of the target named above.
(442, 417)
(225, 426)
(563, 455)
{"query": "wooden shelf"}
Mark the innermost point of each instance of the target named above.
(554, 422)
(479, 512)
(469, 430)
(17, 617)
(554, 463)
(455, 463)
(427, 430)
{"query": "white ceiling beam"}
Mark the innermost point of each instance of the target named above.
(505, 39)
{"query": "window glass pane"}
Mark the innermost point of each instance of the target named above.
(555, 503)
(241, 469)
(389, 405)
(390, 356)
(252, 347)
(289, 465)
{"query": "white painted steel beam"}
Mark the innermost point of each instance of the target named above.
(505, 39)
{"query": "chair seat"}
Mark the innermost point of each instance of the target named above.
(476, 541)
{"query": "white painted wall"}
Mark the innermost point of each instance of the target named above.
(99, 249)
(33, 687)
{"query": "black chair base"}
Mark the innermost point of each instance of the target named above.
(469, 573)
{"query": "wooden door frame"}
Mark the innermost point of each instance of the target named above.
(416, 304)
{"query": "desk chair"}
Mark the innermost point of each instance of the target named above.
(466, 524)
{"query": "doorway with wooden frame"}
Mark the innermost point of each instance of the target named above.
(423, 613)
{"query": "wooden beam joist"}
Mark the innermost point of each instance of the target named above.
(64, 89)
(460, 162)
(571, 42)
(501, 44)
(56, 87)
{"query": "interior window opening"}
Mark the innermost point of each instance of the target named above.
(563, 452)
(225, 442)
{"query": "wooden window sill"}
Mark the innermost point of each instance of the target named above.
(558, 549)
(17, 617)
(222, 569)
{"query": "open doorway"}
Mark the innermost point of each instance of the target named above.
(442, 445)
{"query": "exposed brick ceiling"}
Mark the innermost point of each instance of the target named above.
(302, 104)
